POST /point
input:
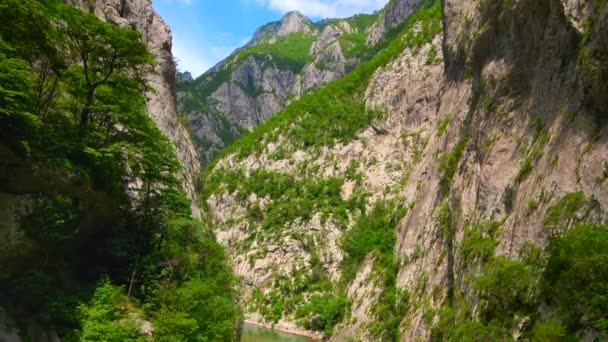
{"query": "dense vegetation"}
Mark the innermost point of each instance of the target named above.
(569, 275)
(291, 197)
(109, 237)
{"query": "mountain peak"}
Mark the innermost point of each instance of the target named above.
(291, 22)
(291, 15)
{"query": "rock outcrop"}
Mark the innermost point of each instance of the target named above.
(394, 14)
(161, 100)
(291, 22)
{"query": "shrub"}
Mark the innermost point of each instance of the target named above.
(53, 220)
(105, 317)
(507, 286)
(576, 277)
(479, 242)
(550, 331)
(454, 325)
(324, 311)
(562, 214)
(373, 233)
(443, 124)
(448, 162)
(525, 168)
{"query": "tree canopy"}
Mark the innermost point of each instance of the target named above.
(112, 239)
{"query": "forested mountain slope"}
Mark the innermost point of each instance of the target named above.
(452, 187)
(283, 60)
(98, 239)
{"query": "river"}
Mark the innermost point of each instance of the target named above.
(254, 333)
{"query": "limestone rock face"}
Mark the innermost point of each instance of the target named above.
(161, 101)
(520, 102)
(184, 77)
(577, 11)
(395, 13)
(328, 60)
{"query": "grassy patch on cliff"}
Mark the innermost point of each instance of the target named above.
(353, 44)
(290, 197)
(288, 53)
(479, 242)
(374, 235)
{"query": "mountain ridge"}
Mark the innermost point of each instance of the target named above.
(284, 60)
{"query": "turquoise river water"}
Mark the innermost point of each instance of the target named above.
(253, 333)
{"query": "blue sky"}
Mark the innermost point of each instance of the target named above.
(206, 31)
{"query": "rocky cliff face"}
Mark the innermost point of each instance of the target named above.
(493, 125)
(396, 12)
(161, 101)
(283, 60)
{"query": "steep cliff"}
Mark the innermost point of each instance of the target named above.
(396, 12)
(283, 60)
(161, 99)
(428, 194)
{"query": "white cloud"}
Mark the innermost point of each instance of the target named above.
(324, 8)
(197, 56)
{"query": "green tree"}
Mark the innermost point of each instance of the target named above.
(196, 299)
(33, 38)
(550, 331)
(105, 317)
(576, 277)
(103, 52)
(16, 115)
(52, 220)
(507, 286)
